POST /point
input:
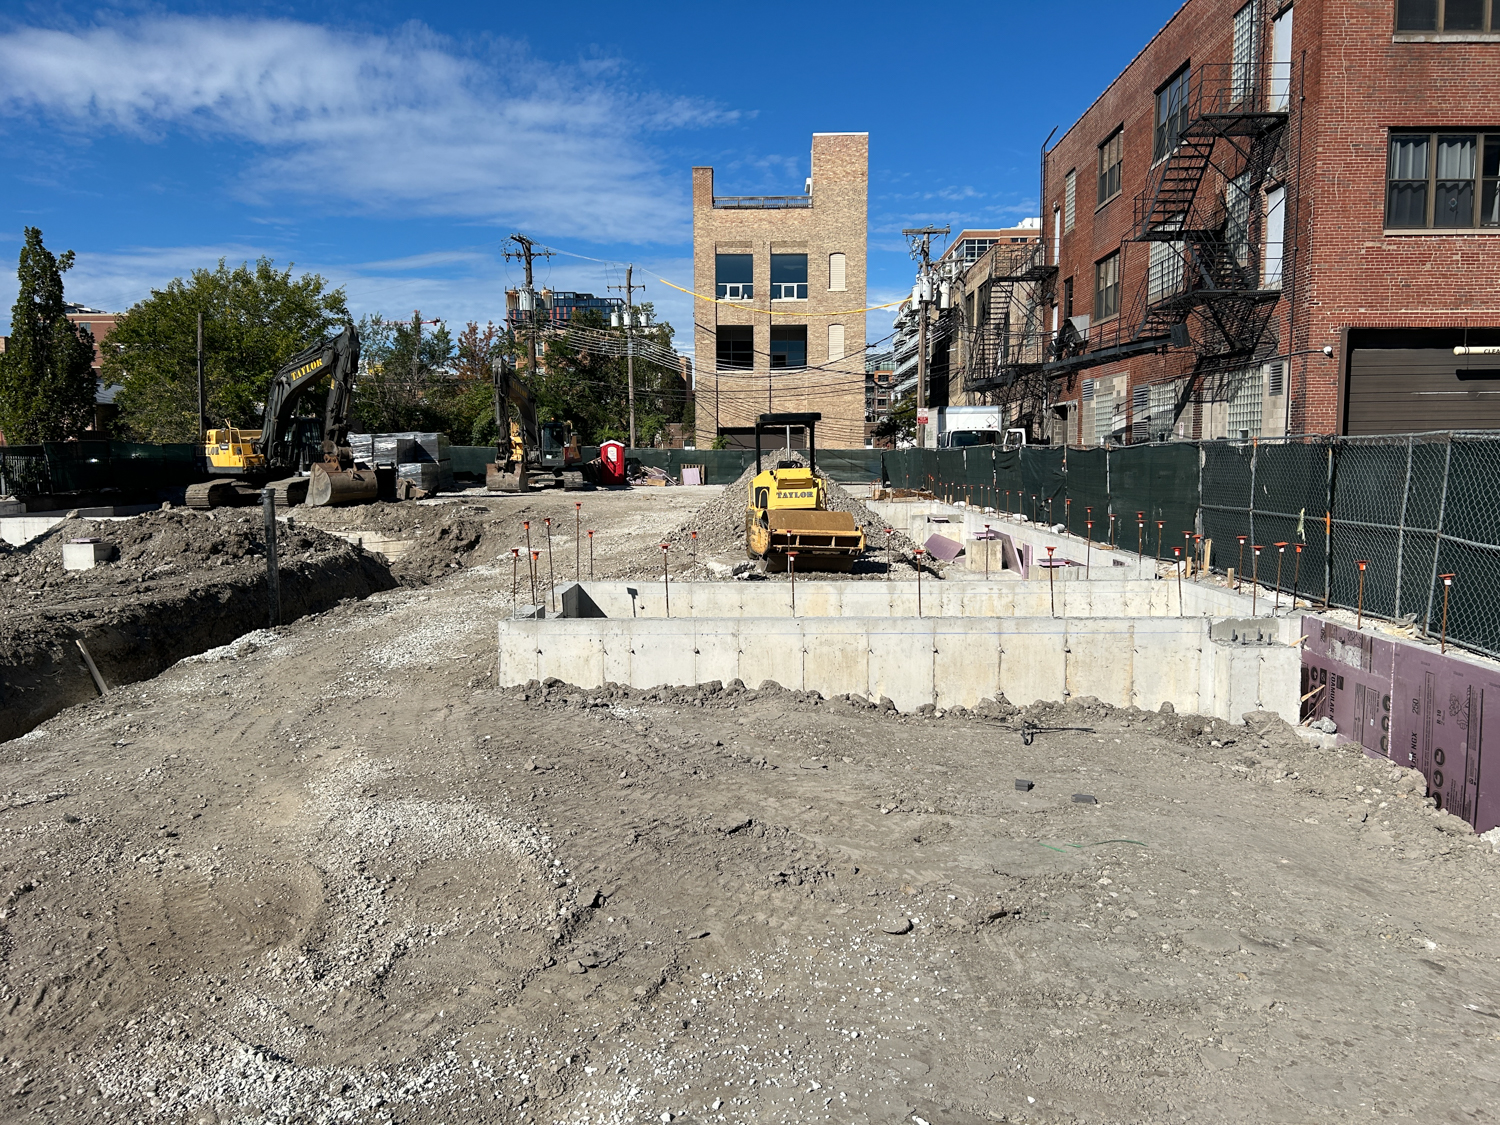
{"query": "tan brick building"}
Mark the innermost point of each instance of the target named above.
(785, 330)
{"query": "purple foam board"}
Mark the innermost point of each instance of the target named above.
(1417, 707)
(941, 547)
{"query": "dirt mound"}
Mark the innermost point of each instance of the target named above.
(720, 524)
(181, 582)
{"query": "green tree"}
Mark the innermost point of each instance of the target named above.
(901, 423)
(407, 376)
(254, 320)
(47, 384)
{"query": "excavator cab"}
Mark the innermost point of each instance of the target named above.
(788, 510)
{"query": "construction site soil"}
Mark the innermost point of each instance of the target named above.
(331, 873)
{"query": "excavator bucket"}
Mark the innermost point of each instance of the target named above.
(331, 487)
(506, 478)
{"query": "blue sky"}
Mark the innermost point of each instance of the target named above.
(391, 146)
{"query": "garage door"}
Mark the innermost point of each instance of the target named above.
(1411, 390)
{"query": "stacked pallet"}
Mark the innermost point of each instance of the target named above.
(422, 458)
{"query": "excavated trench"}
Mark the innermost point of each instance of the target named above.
(136, 622)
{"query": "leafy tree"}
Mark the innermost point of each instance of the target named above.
(407, 377)
(47, 384)
(254, 320)
(901, 423)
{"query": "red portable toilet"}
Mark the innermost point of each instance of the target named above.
(612, 462)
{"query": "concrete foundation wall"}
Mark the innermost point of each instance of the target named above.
(1003, 598)
(947, 661)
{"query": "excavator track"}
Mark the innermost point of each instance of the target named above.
(220, 493)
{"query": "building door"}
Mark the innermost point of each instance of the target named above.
(1414, 383)
(1281, 61)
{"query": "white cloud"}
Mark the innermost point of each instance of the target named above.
(401, 122)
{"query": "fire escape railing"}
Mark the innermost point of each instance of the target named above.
(1199, 220)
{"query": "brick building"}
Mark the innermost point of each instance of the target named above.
(785, 330)
(1277, 219)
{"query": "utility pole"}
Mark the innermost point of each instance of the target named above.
(629, 290)
(416, 348)
(920, 241)
(526, 252)
(202, 403)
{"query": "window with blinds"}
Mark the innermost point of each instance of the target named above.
(837, 271)
(1070, 199)
(835, 343)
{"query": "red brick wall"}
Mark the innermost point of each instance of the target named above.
(1351, 83)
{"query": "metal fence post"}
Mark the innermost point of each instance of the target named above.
(1437, 537)
(1254, 459)
(1401, 527)
(1328, 531)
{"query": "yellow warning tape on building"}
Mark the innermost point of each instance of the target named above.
(777, 312)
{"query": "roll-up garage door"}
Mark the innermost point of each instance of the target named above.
(1412, 390)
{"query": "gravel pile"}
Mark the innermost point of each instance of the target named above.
(720, 524)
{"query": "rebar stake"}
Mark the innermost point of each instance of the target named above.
(695, 548)
(791, 568)
(1177, 551)
(536, 557)
(666, 578)
(1051, 584)
(1359, 617)
(986, 552)
(1088, 549)
(1254, 577)
(918, 553)
(1068, 514)
(1111, 530)
(578, 541)
(1140, 535)
(591, 556)
(888, 553)
(1159, 525)
(1240, 573)
(1447, 585)
(551, 574)
(1280, 555)
(515, 573)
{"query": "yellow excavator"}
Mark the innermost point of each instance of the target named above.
(788, 511)
(537, 454)
(242, 461)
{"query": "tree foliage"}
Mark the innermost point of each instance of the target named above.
(254, 320)
(900, 424)
(580, 384)
(47, 384)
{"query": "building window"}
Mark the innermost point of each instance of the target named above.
(1107, 287)
(736, 347)
(1275, 238)
(789, 347)
(835, 343)
(1245, 406)
(788, 277)
(1239, 197)
(1164, 265)
(1434, 180)
(1067, 298)
(1245, 69)
(972, 249)
(1171, 113)
(838, 270)
(1445, 15)
(1070, 197)
(1111, 160)
(734, 276)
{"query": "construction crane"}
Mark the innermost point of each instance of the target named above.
(529, 453)
(243, 461)
(787, 510)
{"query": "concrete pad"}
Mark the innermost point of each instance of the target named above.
(86, 556)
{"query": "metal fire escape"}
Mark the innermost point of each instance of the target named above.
(1200, 218)
(1008, 339)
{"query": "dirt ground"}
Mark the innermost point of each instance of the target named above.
(331, 873)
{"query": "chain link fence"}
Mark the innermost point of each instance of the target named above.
(1413, 508)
